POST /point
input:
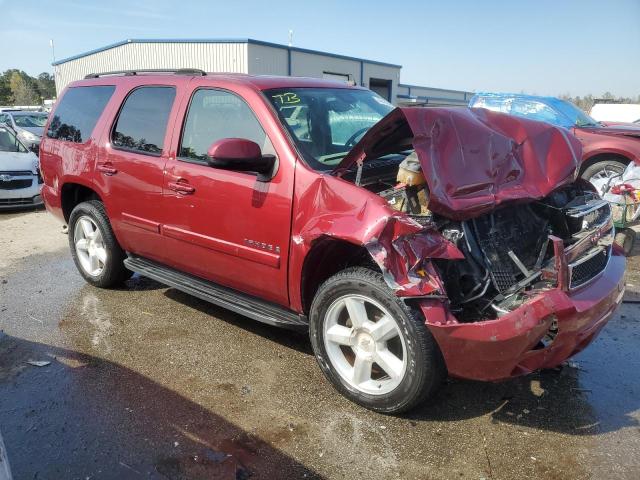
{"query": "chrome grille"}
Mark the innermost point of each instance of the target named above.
(588, 267)
(14, 173)
(16, 184)
(15, 202)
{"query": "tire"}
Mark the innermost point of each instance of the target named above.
(601, 167)
(626, 238)
(423, 368)
(99, 243)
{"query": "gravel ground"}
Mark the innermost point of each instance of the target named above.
(146, 382)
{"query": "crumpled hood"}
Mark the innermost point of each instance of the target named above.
(627, 129)
(17, 162)
(474, 159)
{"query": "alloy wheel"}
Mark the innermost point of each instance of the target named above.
(89, 246)
(606, 173)
(365, 345)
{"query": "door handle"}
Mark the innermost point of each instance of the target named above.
(107, 169)
(182, 187)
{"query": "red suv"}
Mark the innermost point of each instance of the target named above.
(410, 243)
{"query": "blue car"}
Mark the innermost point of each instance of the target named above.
(606, 149)
(555, 111)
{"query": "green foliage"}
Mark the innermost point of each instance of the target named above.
(18, 88)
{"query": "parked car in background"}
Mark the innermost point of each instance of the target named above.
(28, 126)
(20, 178)
(606, 149)
(389, 235)
(616, 112)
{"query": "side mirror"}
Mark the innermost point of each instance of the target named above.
(35, 148)
(241, 155)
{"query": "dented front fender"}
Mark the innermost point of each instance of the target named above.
(331, 207)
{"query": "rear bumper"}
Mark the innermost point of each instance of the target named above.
(508, 346)
(52, 201)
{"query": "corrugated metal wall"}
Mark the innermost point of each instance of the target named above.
(382, 72)
(210, 57)
(311, 65)
(264, 60)
(255, 58)
(437, 96)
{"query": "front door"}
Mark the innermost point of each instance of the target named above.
(223, 225)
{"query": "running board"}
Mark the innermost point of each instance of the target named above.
(228, 298)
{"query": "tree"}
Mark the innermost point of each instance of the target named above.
(23, 89)
(5, 90)
(46, 85)
(18, 88)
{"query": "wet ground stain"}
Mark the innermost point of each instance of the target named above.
(146, 382)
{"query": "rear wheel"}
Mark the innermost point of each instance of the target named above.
(371, 346)
(94, 248)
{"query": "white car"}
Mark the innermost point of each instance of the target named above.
(29, 126)
(20, 179)
(616, 112)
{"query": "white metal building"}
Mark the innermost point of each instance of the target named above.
(416, 95)
(250, 56)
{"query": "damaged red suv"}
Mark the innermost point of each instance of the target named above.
(410, 243)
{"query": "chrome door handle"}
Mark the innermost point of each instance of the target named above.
(107, 169)
(182, 187)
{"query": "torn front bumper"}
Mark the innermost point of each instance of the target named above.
(511, 345)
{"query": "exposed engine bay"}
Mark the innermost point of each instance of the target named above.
(511, 252)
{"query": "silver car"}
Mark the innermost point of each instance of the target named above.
(20, 179)
(29, 126)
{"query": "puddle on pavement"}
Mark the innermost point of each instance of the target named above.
(150, 380)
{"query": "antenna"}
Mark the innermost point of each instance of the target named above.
(291, 38)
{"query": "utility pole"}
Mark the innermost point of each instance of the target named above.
(53, 60)
(53, 51)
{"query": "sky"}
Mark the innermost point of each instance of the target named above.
(534, 46)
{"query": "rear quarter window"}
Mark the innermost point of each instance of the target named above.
(77, 113)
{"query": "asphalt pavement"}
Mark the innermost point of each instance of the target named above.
(147, 382)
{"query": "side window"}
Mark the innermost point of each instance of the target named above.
(3, 118)
(494, 104)
(77, 113)
(142, 122)
(214, 115)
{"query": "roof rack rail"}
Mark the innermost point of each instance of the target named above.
(126, 73)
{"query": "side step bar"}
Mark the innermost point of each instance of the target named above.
(228, 298)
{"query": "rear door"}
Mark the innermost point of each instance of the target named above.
(130, 167)
(223, 225)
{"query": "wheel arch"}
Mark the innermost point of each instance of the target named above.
(72, 193)
(328, 256)
(603, 156)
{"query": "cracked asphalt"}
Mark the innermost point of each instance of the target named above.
(147, 382)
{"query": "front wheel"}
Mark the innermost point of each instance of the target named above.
(603, 171)
(370, 345)
(95, 250)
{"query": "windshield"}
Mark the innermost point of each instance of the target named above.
(27, 121)
(575, 115)
(9, 142)
(327, 122)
